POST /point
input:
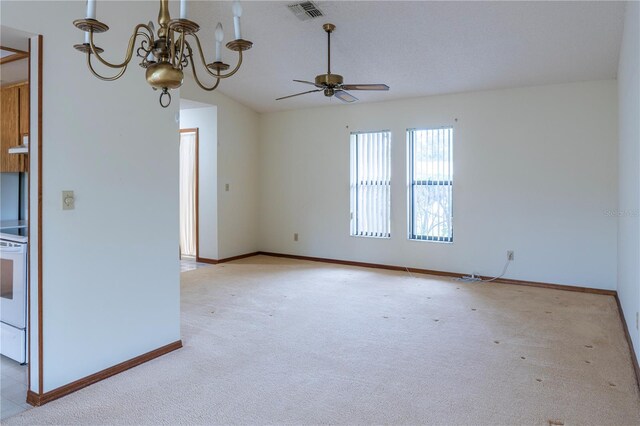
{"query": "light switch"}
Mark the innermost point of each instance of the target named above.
(68, 200)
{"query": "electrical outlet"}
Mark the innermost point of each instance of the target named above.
(295, 236)
(226, 187)
(637, 320)
(510, 255)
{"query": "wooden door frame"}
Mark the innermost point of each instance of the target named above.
(40, 184)
(31, 396)
(196, 130)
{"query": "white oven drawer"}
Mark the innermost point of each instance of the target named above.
(13, 342)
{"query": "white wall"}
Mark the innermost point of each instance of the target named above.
(629, 173)
(535, 170)
(110, 267)
(237, 166)
(205, 120)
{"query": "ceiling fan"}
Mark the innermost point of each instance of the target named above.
(331, 84)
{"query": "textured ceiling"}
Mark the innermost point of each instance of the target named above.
(417, 48)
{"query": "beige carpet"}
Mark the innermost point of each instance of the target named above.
(271, 340)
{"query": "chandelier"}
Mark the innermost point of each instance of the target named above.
(166, 54)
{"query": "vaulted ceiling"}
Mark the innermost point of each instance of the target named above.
(418, 48)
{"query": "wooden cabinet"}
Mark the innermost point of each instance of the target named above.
(24, 110)
(14, 122)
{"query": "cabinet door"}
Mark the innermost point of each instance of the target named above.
(9, 136)
(24, 110)
(23, 118)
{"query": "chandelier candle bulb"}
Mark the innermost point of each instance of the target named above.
(237, 13)
(183, 9)
(219, 37)
(91, 9)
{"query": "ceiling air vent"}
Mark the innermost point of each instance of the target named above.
(305, 10)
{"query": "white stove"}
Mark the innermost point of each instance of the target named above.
(13, 293)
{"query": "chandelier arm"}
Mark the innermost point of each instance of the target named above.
(235, 70)
(172, 47)
(95, 73)
(204, 61)
(149, 42)
(182, 43)
(195, 76)
(130, 48)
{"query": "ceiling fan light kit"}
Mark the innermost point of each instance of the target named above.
(166, 54)
(333, 84)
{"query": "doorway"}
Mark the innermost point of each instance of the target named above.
(189, 177)
(20, 171)
(202, 119)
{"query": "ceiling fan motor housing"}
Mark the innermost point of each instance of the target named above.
(330, 80)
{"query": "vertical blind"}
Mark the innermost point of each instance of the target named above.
(431, 183)
(371, 184)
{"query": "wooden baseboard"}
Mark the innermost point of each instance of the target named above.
(228, 259)
(207, 260)
(556, 286)
(40, 399)
(634, 357)
(443, 273)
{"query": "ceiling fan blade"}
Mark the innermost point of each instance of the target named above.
(364, 87)
(319, 86)
(298, 94)
(344, 96)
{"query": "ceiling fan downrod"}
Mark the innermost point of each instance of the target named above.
(329, 29)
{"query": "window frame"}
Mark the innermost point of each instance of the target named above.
(354, 184)
(411, 184)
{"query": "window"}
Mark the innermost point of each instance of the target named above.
(371, 184)
(430, 184)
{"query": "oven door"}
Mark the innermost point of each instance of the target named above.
(13, 283)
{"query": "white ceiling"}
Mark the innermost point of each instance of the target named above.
(418, 48)
(15, 39)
